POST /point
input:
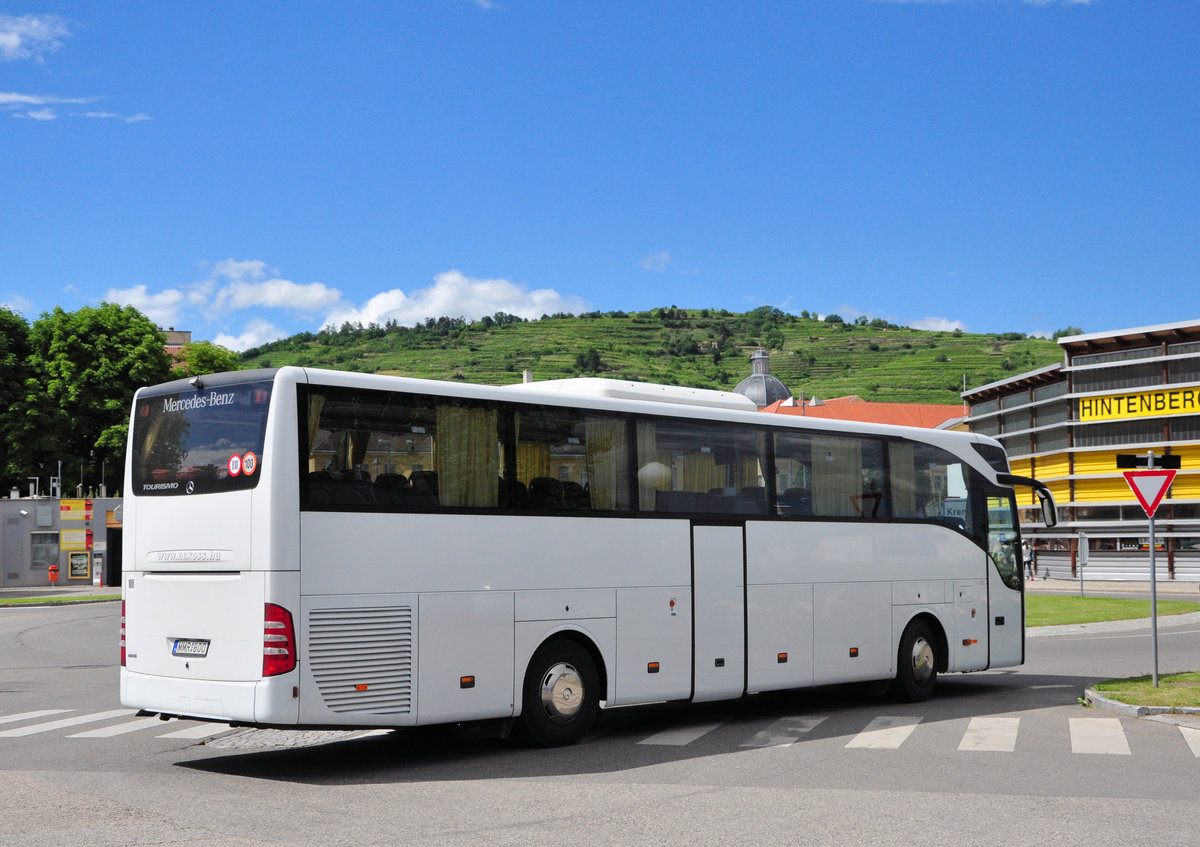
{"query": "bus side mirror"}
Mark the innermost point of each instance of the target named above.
(1045, 498)
(1049, 512)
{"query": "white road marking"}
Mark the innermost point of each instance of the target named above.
(65, 722)
(118, 729)
(26, 716)
(680, 736)
(783, 732)
(1098, 735)
(1192, 737)
(885, 733)
(991, 734)
(204, 730)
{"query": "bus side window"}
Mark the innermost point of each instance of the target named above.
(569, 460)
(700, 468)
(927, 482)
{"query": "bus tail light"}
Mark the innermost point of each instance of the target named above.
(122, 633)
(279, 641)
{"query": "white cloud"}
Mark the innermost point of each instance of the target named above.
(310, 298)
(11, 101)
(243, 269)
(31, 36)
(455, 295)
(17, 303)
(656, 261)
(38, 115)
(938, 325)
(257, 331)
(131, 119)
(162, 308)
(249, 290)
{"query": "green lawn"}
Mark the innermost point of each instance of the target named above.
(1049, 610)
(61, 601)
(1177, 689)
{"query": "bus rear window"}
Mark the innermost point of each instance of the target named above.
(200, 441)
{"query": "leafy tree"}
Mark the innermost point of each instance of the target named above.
(204, 357)
(14, 354)
(1063, 333)
(589, 361)
(84, 368)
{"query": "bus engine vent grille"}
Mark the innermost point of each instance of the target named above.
(361, 659)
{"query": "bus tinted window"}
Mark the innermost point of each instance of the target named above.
(569, 460)
(685, 466)
(927, 482)
(200, 441)
(830, 476)
(378, 449)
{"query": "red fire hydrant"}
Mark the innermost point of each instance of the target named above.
(53, 569)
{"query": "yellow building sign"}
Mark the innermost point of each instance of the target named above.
(74, 510)
(1144, 404)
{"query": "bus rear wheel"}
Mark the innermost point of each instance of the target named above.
(916, 663)
(561, 694)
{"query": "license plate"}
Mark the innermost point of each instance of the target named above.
(189, 647)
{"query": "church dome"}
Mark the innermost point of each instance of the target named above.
(760, 386)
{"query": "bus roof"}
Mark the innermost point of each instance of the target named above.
(620, 389)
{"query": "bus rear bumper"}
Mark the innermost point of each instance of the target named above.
(236, 702)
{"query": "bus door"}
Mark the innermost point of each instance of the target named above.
(719, 614)
(1006, 600)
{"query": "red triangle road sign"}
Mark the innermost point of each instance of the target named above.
(1149, 487)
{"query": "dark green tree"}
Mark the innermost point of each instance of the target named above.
(84, 368)
(204, 357)
(14, 368)
(589, 361)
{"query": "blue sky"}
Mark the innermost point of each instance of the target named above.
(252, 170)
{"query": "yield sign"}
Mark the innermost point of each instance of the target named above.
(1149, 487)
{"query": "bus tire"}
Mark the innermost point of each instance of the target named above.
(916, 663)
(561, 694)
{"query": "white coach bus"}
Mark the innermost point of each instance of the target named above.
(327, 549)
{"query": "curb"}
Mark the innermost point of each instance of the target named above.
(1098, 701)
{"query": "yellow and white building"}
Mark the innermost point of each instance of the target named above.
(1128, 391)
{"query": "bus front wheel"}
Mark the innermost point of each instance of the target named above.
(916, 663)
(561, 694)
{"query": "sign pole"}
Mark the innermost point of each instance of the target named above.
(1153, 584)
(1082, 558)
(1149, 487)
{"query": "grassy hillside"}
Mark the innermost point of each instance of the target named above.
(699, 347)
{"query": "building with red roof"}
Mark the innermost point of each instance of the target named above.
(854, 408)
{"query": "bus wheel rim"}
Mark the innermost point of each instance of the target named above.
(922, 660)
(562, 692)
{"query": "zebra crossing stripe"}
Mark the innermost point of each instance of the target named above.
(27, 716)
(1098, 735)
(204, 730)
(784, 732)
(117, 729)
(65, 722)
(1192, 737)
(991, 734)
(885, 733)
(680, 736)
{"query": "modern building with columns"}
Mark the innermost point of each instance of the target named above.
(1127, 391)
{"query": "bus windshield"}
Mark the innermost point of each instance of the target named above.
(200, 441)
